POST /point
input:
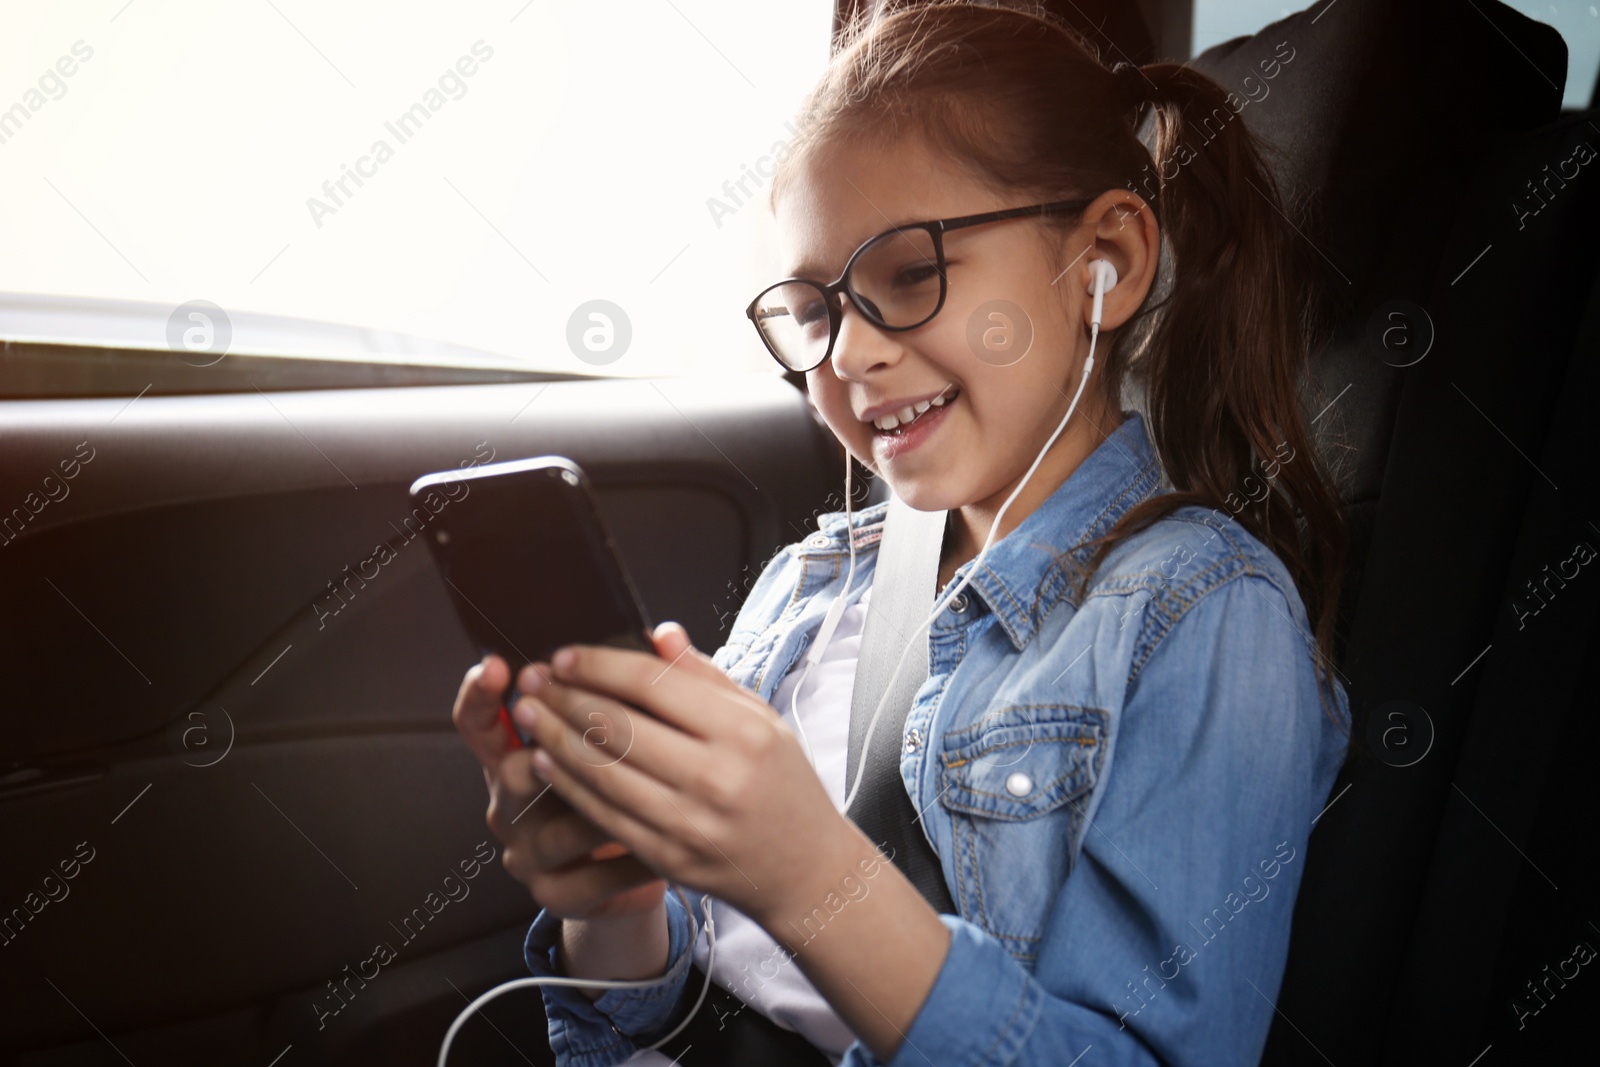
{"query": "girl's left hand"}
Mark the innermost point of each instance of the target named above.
(703, 783)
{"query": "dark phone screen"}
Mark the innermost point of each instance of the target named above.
(530, 567)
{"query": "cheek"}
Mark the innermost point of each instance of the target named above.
(1015, 408)
(833, 404)
(944, 343)
(997, 411)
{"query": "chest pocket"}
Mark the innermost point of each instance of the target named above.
(1014, 785)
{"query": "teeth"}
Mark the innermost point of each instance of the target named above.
(911, 412)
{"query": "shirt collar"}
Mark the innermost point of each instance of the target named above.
(866, 523)
(1034, 565)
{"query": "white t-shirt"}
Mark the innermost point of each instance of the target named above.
(750, 964)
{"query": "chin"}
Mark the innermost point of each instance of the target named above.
(925, 495)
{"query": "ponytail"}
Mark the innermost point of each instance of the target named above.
(1224, 357)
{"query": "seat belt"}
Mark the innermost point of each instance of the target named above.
(903, 589)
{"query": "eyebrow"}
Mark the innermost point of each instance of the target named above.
(810, 269)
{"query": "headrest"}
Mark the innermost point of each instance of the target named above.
(1373, 113)
(1376, 79)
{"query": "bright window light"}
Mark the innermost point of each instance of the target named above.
(474, 174)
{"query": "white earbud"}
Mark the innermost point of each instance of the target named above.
(1103, 279)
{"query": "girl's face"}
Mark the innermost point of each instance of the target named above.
(1002, 403)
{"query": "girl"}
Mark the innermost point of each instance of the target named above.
(1130, 718)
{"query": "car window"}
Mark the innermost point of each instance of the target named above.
(564, 186)
(1578, 22)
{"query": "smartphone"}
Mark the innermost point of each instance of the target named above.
(528, 562)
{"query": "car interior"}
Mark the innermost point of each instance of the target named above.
(197, 639)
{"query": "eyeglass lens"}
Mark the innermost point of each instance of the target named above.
(894, 281)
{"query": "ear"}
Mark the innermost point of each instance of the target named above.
(1118, 226)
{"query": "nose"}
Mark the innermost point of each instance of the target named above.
(861, 347)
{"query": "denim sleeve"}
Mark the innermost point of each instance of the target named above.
(1166, 944)
(598, 1033)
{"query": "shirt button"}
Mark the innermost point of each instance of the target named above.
(818, 540)
(913, 740)
(958, 603)
(1018, 784)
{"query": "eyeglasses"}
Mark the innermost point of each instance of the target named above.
(896, 280)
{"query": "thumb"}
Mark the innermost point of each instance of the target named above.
(673, 645)
(477, 710)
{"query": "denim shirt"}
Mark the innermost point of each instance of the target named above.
(1119, 787)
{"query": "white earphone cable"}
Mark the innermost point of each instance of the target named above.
(710, 929)
(866, 743)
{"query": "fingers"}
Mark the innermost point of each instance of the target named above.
(617, 822)
(593, 733)
(673, 645)
(541, 832)
(538, 824)
(563, 869)
(687, 691)
(477, 710)
(595, 890)
(670, 639)
(609, 850)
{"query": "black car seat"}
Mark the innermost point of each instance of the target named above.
(1426, 160)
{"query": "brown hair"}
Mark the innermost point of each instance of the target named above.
(1022, 100)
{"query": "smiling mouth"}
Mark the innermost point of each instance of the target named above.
(895, 423)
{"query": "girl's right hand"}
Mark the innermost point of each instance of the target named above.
(569, 865)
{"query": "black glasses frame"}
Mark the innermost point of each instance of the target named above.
(936, 229)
